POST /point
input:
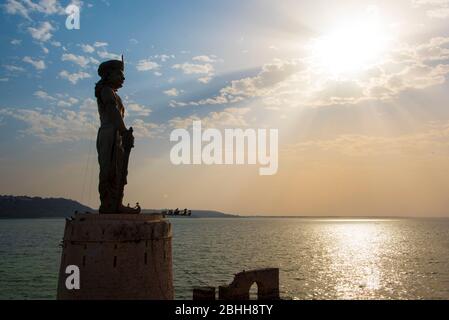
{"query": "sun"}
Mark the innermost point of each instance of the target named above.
(350, 47)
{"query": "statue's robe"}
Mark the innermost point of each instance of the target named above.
(110, 150)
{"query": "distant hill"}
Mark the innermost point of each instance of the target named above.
(211, 214)
(36, 207)
(198, 214)
(21, 207)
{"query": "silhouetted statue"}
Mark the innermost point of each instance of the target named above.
(114, 140)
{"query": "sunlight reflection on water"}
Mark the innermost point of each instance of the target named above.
(323, 258)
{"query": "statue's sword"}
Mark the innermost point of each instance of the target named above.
(127, 148)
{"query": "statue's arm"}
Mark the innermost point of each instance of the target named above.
(110, 103)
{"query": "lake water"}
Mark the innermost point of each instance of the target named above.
(317, 258)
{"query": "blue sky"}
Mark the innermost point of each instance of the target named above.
(357, 90)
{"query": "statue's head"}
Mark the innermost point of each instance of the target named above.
(112, 72)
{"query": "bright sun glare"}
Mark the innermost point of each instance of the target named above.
(351, 47)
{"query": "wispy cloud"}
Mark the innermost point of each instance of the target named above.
(147, 65)
(229, 117)
(60, 100)
(43, 32)
(103, 54)
(74, 77)
(38, 64)
(55, 127)
(99, 44)
(13, 68)
(201, 65)
(173, 92)
(436, 9)
(194, 68)
(82, 61)
(204, 58)
(135, 109)
(87, 48)
(433, 140)
(144, 129)
(25, 8)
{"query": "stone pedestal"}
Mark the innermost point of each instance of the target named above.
(119, 256)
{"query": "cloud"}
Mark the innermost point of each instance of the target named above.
(146, 65)
(150, 63)
(172, 92)
(440, 13)
(101, 51)
(16, 42)
(57, 126)
(107, 55)
(163, 57)
(204, 58)
(38, 64)
(82, 61)
(266, 81)
(435, 9)
(44, 95)
(54, 7)
(228, 118)
(89, 105)
(264, 84)
(13, 68)
(74, 77)
(47, 7)
(60, 100)
(67, 103)
(193, 68)
(144, 129)
(43, 32)
(205, 79)
(219, 100)
(87, 48)
(432, 141)
(135, 109)
(206, 68)
(16, 7)
(294, 82)
(339, 92)
(99, 44)
(25, 8)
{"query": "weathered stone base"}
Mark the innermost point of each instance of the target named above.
(267, 281)
(120, 256)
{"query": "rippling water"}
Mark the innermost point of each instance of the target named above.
(318, 258)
